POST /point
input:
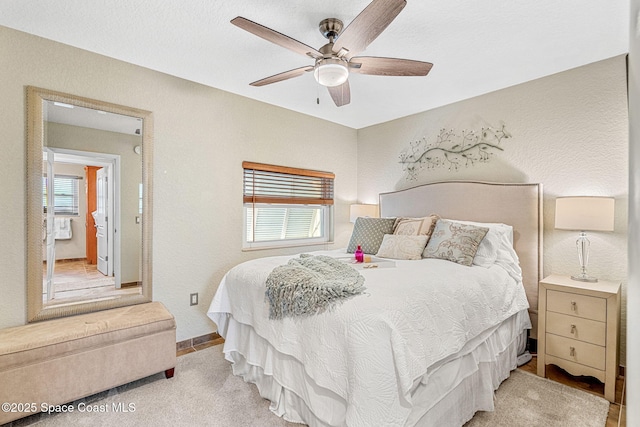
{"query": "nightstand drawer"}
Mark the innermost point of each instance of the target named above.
(577, 328)
(588, 307)
(576, 351)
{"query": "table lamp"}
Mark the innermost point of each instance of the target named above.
(584, 214)
(358, 210)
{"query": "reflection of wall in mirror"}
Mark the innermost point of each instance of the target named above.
(85, 139)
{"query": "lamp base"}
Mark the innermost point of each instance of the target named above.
(584, 278)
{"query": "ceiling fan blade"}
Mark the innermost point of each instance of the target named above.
(283, 76)
(378, 66)
(275, 37)
(341, 95)
(368, 25)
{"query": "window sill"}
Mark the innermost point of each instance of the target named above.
(296, 245)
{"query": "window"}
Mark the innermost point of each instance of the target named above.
(66, 194)
(286, 206)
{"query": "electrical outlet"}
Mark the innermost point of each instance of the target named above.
(194, 299)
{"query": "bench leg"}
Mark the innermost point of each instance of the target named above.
(169, 373)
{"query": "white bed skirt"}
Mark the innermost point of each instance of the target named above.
(449, 394)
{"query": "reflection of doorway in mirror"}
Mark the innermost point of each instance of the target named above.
(74, 274)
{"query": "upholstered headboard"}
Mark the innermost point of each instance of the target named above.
(518, 205)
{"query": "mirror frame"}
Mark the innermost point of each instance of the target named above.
(36, 310)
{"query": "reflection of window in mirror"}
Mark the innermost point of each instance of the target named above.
(66, 194)
(91, 199)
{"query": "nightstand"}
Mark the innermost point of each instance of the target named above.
(578, 328)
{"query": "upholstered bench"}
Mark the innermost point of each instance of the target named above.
(57, 361)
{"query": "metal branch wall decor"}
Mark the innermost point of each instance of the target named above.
(452, 150)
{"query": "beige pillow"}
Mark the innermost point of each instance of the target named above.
(415, 226)
(455, 242)
(397, 246)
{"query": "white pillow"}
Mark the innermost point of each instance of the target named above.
(399, 246)
(499, 236)
(506, 256)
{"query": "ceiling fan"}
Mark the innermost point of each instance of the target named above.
(335, 60)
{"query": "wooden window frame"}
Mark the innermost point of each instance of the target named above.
(265, 184)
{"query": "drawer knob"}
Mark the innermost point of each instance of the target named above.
(573, 329)
(574, 306)
(572, 351)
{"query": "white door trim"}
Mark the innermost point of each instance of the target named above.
(112, 163)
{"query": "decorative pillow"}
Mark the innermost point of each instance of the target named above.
(416, 226)
(398, 246)
(368, 233)
(454, 242)
(499, 235)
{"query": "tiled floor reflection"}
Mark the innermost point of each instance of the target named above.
(76, 280)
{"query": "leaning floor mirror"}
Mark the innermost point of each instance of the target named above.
(89, 199)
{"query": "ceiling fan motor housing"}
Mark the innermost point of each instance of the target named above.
(330, 28)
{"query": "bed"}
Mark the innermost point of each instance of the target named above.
(426, 343)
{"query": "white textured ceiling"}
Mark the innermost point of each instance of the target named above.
(95, 119)
(476, 46)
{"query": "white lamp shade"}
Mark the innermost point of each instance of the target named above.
(585, 213)
(331, 72)
(362, 210)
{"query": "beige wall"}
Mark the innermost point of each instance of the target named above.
(569, 133)
(202, 135)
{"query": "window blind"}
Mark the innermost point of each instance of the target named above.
(66, 194)
(279, 184)
(272, 223)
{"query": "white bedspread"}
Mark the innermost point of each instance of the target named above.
(372, 349)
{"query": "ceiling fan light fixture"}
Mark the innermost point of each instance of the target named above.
(331, 72)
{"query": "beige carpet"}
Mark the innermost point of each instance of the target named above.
(205, 393)
(525, 399)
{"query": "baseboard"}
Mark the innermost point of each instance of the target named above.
(62, 261)
(192, 343)
(130, 284)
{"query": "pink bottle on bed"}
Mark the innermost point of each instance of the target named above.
(359, 254)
